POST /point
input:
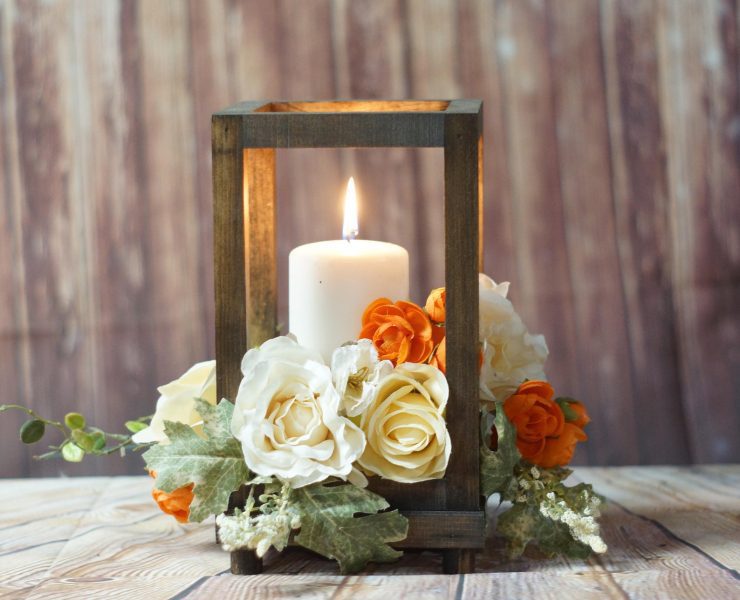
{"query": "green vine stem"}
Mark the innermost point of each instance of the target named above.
(79, 439)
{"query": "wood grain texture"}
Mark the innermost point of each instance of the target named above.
(612, 174)
(244, 258)
(672, 533)
(462, 134)
(230, 254)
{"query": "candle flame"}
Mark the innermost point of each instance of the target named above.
(350, 229)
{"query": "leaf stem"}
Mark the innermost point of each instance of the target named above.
(32, 413)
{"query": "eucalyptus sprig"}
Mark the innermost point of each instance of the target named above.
(79, 439)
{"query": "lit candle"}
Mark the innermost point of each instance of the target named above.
(331, 283)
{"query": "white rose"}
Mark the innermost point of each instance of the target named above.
(177, 402)
(407, 438)
(356, 371)
(286, 416)
(510, 353)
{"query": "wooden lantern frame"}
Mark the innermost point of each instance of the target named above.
(444, 514)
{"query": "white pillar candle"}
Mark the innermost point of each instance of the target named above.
(331, 283)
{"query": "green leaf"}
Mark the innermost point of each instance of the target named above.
(329, 525)
(71, 452)
(215, 464)
(32, 431)
(83, 440)
(74, 421)
(497, 467)
(568, 412)
(523, 523)
(98, 440)
(135, 426)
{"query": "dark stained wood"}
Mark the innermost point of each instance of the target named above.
(462, 262)
(105, 191)
(245, 259)
(229, 254)
(299, 130)
(451, 529)
(458, 561)
(426, 495)
(245, 563)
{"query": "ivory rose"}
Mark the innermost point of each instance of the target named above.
(286, 416)
(401, 332)
(356, 371)
(510, 353)
(407, 438)
(177, 402)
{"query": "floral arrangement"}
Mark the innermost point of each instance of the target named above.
(303, 436)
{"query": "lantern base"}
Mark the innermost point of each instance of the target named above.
(456, 534)
(458, 562)
(245, 562)
(454, 562)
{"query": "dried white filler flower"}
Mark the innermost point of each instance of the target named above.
(270, 526)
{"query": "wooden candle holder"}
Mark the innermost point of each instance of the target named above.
(444, 514)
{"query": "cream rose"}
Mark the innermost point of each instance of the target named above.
(510, 353)
(356, 371)
(286, 416)
(177, 402)
(407, 438)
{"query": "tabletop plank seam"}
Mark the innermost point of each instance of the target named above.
(675, 537)
(108, 483)
(595, 559)
(460, 589)
(191, 588)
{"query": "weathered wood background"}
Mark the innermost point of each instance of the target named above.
(612, 189)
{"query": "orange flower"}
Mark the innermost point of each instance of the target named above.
(583, 418)
(535, 416)
(175, 503)
(542, 435)
(439, 359)
(401, 332)
(559, 451)
(435, 305)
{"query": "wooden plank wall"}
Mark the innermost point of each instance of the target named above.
(612, 188)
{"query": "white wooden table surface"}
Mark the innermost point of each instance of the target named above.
(673, 532)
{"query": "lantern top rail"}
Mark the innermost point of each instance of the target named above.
(266, 107)
(347, 123)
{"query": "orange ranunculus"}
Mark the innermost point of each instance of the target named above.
(439, 359)
(438, 334)
(175, 503)
(559, 451)
(535, 416)
(583, 418)
(401, 332)
(435, 305)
